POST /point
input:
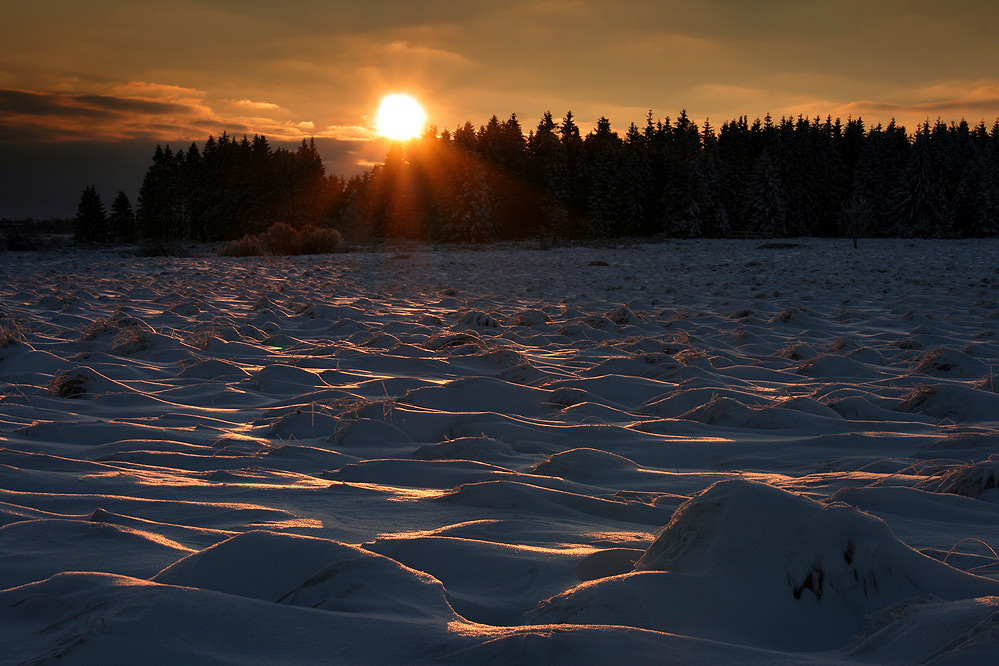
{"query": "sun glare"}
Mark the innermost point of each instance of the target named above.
(400, 117)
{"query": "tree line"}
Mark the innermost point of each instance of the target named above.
(226, 189)
(793, 177)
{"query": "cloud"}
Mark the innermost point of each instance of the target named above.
(426, 54)
(149, 90)
(973, 101)
(142, 110)
(347, 133)
(250, 104)
(24, 103)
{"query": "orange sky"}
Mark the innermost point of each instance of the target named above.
(176, 71)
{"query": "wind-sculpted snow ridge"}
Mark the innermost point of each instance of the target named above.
(691, 452)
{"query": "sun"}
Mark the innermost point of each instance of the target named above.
(400, 117)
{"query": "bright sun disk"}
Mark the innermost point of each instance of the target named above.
(400, 117)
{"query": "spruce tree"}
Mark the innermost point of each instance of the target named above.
(122, 219)
(766, 199)
(919, 205)
(91, 218)
(549, 174)
(984, 168)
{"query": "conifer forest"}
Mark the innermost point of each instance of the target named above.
(673, 178)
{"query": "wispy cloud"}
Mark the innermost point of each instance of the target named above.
(250, 104)
(148, 110)
(973, 101)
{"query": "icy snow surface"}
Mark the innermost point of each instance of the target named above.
(683, 453)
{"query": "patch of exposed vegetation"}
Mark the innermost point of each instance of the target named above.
(283, 240)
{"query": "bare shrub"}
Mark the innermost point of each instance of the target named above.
(319, 240)
(280, 239)
(283, 240)
(247, 246)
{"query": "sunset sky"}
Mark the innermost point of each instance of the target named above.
(87, 89)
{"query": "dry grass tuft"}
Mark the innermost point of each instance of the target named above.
(12, 333)
(202, 339)
(71, 384)
(130, 340)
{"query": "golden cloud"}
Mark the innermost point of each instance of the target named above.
(146, 110)
(250, 104)
(973, 101)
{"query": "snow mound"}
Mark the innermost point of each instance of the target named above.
(743, 523)
(257, 564)
(23, 358)
(425, 474)
(480, 394)
(213, 369)
(110, 327)
(867, 356)
(451, 340)
(607, 562)
(749, 563)
(83, 381)
(303, 424)
(938, 632)
(467, 448)
(798, 351)
(384, 341)
(526, 498)
(731, 413)
(808, 405)
(530, 318)
(310, 572)
(948, 401)
(979, 480)
(943, 362)
(479, 319)
(185, 309)
(987, 383)
(279, 378)
(80, 545)
(333, 312)
(584, 465)
(687, 401)
(796, 317)
(830, 365)
(623, 316)
(132, 340)
(370, 431)
(568, 396)
(722, 411)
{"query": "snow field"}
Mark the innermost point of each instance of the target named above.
(691, 452)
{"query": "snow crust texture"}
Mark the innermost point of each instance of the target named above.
(687, 453)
